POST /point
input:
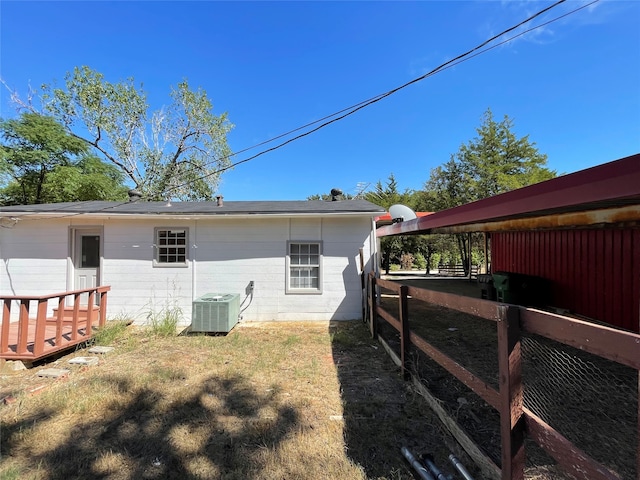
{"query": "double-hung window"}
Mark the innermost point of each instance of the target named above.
(304, 267)
(171, 247)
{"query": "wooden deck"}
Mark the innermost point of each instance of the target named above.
(50, 334)
(32, 337)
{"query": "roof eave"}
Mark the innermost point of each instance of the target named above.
(612, 185)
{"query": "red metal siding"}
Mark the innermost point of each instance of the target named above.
(593, 272)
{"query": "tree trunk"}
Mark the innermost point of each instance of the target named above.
(464, 253)
(429, 254)
(43, 172)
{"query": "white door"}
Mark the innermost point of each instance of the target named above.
(86, 261)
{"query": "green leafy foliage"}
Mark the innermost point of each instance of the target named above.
(385, 196)
(178, 151)
(494, 162)
(41, 162)
(327, 197)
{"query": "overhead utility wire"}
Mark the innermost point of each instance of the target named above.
(376, 98)
(449, 64)
(359, 106)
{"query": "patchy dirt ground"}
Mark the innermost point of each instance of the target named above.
(281, 400)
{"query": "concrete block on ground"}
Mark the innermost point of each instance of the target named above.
(53, 372)
(87, 361)
(101, 350)
(13, 366)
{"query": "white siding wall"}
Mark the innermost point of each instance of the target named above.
(34, 254)
(225, 254)
(137, 287)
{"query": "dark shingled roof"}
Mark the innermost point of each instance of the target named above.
(199, 208)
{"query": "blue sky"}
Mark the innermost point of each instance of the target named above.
(573, 86)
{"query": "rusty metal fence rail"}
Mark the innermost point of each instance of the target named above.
(533, 369)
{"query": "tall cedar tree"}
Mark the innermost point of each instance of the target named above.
(494, 162)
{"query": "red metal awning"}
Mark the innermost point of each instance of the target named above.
(613, 189)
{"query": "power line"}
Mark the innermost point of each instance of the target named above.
(365, 103)
(341, 114)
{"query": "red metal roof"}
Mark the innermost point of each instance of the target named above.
(615, 183)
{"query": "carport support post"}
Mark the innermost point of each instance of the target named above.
(403, 310)
(486, 252)
(511, 393)
(469, 259)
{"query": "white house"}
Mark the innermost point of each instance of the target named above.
(288, 260)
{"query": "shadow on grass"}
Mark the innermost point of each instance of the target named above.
(217, 430)
(382, 413)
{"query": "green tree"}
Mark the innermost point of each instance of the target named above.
(388, 194)
(42, 163)
(494, 162)
(384, 196)
(327, 197)
(88, 179)
(176, 152)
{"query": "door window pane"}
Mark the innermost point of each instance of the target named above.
(90, 251)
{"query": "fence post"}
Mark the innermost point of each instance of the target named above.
(403, 311)
(373, 321)
(363, 285)
(511, 392)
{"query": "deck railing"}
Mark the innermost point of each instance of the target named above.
(512, 322)
(32, 337)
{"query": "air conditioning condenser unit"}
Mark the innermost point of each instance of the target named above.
(215, 312)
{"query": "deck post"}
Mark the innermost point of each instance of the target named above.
(512, 425)
(60, 319)
(90, 304)
(103, 308)
(23, 327)
(41, 326)
(6, 320)
(403, 311)
(76, 314)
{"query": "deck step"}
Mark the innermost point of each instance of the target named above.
(67, 313)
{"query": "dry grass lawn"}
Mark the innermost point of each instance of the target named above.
(267, 401)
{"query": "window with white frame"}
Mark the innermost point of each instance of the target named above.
(171, 247)
(304, 267)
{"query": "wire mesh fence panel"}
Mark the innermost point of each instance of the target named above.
(591, 401)
(468, 339)
(477, 418)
